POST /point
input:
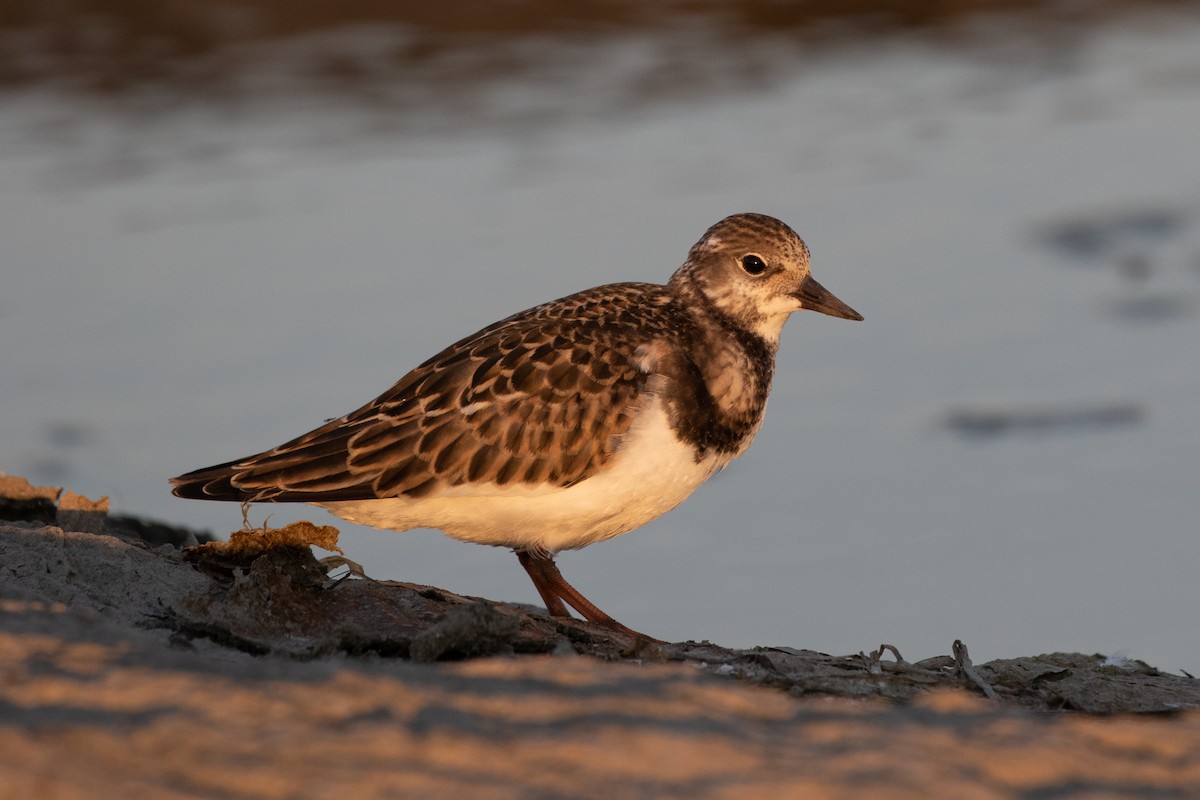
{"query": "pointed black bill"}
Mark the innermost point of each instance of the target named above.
(815, 297)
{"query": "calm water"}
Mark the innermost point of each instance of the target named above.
(1006, 451)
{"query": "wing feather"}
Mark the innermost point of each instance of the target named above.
(543, 396)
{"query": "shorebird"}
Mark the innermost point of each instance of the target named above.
(564, 425)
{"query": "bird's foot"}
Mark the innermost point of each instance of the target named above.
(557, 594)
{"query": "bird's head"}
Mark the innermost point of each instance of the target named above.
(755, 269)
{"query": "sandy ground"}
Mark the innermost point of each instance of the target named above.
(126, 670)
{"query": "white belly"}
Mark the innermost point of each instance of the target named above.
(651, 474)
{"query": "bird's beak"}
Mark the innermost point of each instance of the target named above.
(815, 297)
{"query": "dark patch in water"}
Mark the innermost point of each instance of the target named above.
(67, 434)
(1152, 307)
(1107, 234)
(978, 423)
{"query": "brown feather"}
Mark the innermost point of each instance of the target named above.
(548, 395)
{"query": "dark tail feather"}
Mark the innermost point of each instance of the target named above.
(210, 483)
(216, 483)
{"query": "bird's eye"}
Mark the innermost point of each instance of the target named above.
(753, 265)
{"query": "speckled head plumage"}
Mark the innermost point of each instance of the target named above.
(756, 269)
(563, 425)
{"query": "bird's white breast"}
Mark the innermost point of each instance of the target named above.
(652, 473)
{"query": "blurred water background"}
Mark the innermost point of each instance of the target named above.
(221, 224)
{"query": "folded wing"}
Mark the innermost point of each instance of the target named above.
(544, 396)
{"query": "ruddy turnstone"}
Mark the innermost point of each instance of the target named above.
(564, 425)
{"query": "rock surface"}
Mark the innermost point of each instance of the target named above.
(242, 669)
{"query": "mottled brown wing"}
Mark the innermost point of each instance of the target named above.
(544, 396)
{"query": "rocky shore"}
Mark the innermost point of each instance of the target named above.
(137, 662)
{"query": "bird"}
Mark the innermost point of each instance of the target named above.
(564, 425)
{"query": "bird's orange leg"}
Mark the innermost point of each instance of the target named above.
(556, 592)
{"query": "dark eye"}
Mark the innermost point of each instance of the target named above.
(753, 265)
